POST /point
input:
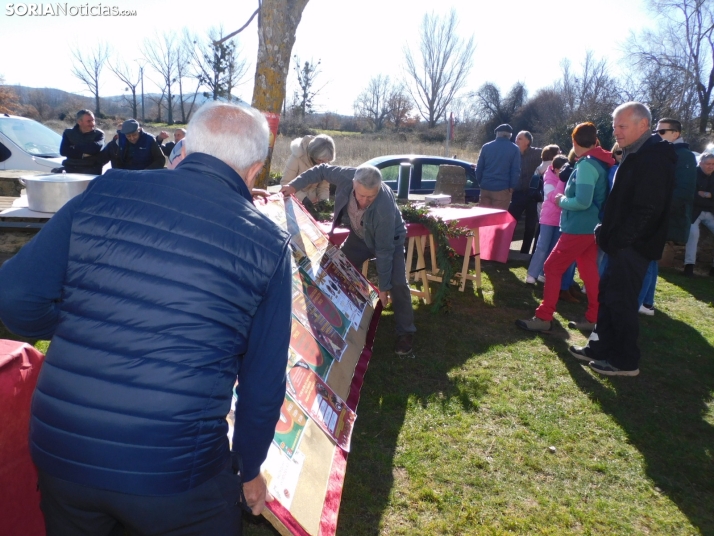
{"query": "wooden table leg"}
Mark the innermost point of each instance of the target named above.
(432, 251)
(421, 266)
(416, 244)
(477, 257)
(465, 265)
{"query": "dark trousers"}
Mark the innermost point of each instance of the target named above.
(356, 251)
(209, 509)
(615, 337)
(519, 203)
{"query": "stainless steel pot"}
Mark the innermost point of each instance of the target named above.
(48, 193)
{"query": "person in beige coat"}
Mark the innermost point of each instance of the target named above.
(307, 152)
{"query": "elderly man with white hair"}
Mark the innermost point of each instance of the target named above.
(158, 288)
(632, 233)
(365, 205)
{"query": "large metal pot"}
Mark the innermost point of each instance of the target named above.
(48, 193)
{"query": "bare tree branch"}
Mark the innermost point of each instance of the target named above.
(440, 69)
(239, 30)
(161, 53)
(88, 68)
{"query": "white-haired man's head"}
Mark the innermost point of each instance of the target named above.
(366, 185)
(237, 135)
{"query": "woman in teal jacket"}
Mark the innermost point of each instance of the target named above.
(581, 204)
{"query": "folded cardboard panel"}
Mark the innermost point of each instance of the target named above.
(306, 464)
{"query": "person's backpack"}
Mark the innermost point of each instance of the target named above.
(535, 188)
(606, 170)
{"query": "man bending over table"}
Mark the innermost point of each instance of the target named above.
(366, 206)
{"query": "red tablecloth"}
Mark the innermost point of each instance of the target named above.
(20, 513)
(495, 229)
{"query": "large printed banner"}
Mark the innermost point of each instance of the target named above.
(333, 327)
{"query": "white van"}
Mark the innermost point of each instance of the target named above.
(27, 144)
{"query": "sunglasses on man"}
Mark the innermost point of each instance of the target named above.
(663, 131)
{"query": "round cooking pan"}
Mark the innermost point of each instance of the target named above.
(48, 193)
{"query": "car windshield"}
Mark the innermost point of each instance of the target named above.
(31, 136)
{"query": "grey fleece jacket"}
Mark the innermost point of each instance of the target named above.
(384, 228)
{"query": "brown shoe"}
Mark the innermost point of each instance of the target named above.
(566, 296)
(404, 344)
(577, 292)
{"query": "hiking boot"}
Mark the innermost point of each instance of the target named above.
(581, 324)
(605, 368)
(689, 270)
(646, 310)
(566, 296)
(534, 324)
(404, 343)
(530, 280)
(581, 352)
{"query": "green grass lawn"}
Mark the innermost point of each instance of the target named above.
(457, 440)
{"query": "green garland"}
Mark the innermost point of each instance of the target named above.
(446, 258)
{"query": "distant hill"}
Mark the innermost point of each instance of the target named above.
(51, 103)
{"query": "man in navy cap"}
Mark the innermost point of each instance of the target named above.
(498, 169)
(133, 149)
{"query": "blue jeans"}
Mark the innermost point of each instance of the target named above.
(547, 239)
(649, 284)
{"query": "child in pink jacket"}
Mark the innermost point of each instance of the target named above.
(549, 222)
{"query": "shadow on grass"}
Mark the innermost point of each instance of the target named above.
(663, 409)
(443, 345)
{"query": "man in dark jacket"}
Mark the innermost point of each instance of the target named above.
(633, 232)
(680, 210)
(703, 211)
(179, 134)
(680, 213)
(82, 144)
(133, 149)
(365, 205)
(521, 201)
(157, 288)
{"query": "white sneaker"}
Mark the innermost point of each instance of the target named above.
(649, 311)
(541, 278)
(530, 280)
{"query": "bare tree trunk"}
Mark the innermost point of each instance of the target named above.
(277, 23)
(88, 68)
(169, 107)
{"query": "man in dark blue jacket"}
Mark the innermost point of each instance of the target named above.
(498, 169)
(133, 149)
(157, 289)
(81, 146)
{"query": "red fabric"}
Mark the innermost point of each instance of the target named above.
(569, 248)
(20, 513)
(495, 229)
(601, 154)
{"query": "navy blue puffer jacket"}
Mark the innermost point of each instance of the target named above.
(167, 274)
